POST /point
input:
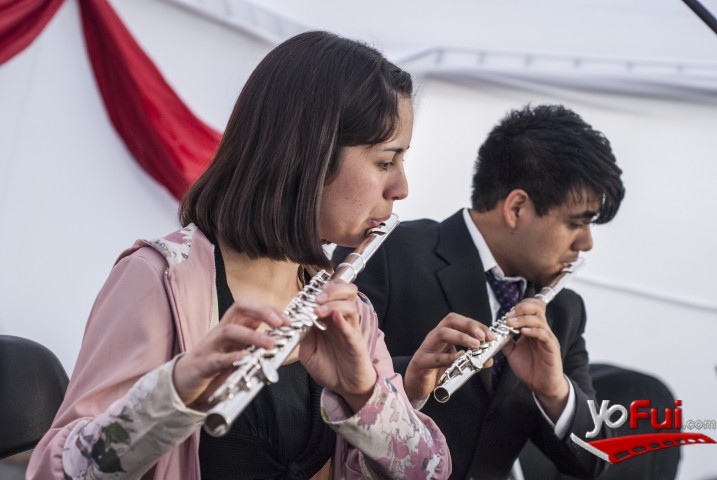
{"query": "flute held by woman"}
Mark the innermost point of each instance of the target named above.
(260, 366)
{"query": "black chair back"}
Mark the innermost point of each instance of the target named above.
(620, 386)
(32, 387)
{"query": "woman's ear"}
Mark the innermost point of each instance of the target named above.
(515, 206)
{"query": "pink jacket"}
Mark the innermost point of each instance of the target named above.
(121, 417)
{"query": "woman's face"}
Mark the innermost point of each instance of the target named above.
(370, 179)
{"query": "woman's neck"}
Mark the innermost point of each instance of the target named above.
(260, 279)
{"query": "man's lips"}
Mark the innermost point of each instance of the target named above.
(569, 262)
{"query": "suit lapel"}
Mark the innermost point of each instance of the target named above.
(463, 279)
(463, 267)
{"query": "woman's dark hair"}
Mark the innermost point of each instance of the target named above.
(552, 154)
(310, 96)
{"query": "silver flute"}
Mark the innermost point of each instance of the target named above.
(260, 366)
(472, 360)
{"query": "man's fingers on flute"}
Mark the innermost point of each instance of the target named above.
(454, 337)
(437, 360)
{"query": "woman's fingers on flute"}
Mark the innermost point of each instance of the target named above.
(212, 357)
(337, 304)
(232, 337)
(223, 345)
(252, 314)
(337, 290)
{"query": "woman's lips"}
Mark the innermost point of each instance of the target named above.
(377, 222)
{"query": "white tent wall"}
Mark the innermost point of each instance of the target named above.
(72, 198)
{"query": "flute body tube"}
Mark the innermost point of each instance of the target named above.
(473, 360)
(260, 366)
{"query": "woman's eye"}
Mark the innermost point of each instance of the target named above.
(385, 165)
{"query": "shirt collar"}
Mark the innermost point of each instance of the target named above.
(487, 258)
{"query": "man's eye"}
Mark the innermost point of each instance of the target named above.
(385, 165)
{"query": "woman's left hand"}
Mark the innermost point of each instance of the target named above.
(338, 358)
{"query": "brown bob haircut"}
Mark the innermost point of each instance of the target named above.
(310, 96)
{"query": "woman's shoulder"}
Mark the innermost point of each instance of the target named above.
(171, 249)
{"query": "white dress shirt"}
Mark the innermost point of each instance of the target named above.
(489, 264)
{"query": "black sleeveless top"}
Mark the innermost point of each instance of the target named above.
(280, 434)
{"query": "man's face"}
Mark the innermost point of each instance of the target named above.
(545, 245)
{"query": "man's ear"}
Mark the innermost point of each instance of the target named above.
(515, 206)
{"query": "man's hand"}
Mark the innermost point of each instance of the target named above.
(438, 351)
(535, 357)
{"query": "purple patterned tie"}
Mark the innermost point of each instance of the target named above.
(508, 294)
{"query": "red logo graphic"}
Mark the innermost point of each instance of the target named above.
(616, 450)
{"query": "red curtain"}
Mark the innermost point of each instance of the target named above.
(21, 21)
(162, 134)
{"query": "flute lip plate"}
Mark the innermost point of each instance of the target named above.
(575, 266)
(386, 227)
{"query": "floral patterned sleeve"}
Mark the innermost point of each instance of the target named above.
(391, 439)
(136, 430)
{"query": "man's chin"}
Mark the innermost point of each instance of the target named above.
(541, 281)
(548, 279)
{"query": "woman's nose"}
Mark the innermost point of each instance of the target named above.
(399, 188)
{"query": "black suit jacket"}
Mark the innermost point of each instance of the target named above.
(424, 271)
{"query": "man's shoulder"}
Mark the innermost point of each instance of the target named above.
(412, 236)
(425, 228)
(567, 305)
(419, 223)
(420, 226)
(569, 296)
(408, 239)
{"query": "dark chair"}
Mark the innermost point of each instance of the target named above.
(620, 386)
(32, 386)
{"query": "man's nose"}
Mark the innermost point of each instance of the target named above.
(584, 242)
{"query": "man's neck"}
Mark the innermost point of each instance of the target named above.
(495, 234)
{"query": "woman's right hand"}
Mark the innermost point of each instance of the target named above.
(200, 371)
